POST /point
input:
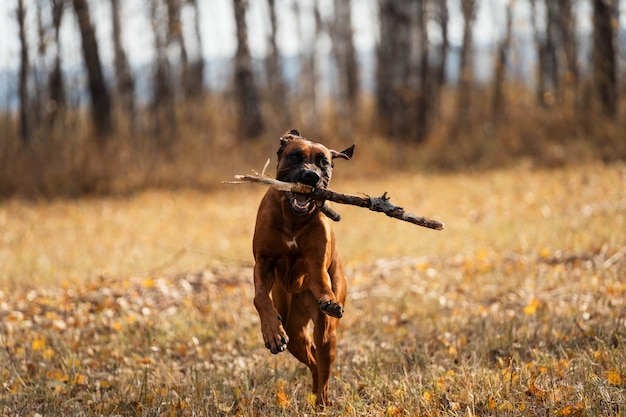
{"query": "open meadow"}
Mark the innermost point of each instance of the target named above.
(142, 304)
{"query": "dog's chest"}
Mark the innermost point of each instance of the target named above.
(292, 245)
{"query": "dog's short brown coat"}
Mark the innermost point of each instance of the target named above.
(297, 263)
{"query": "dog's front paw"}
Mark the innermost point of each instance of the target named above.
(275, 338)
(331, 308)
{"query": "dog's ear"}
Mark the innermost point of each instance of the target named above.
(345, 154)
(285, 138)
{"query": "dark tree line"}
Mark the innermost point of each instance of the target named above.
(412, 62)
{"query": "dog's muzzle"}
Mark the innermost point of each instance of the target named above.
(303, 203)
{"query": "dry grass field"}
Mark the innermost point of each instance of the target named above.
(142, 304)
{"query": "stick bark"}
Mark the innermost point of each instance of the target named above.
(380, 204)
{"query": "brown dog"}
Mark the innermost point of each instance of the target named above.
(296, 261)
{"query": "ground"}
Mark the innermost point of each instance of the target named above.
(142, 304)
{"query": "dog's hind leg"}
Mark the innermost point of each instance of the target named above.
(300, 344)
(325, 338)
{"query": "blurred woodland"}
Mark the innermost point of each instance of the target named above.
(186, 133)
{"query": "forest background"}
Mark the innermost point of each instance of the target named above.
(434, 85)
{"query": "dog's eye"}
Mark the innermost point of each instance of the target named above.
(323, 162)
(296, 157)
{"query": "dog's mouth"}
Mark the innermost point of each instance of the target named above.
(300, 203)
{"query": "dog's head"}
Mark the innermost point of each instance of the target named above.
(306, 162)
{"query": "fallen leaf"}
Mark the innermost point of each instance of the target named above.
(282, 399)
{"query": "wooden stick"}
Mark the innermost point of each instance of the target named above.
(380, 204)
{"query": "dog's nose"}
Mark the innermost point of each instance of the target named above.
(310, 177)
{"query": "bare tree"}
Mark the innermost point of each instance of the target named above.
(425, 89)
(25, 132)
(604, 55)
(56, 88)
(501, 62)
(443, 17)
(347, 92)
(567, 30)
(250, 120)
(306, 89)
(194, 80)
(437, 81)
(123, 74)
(39, 99)
(466, 70)
(100, 99)
(273, 67)
(163, 104)
(393, 67)
(175, 43)
(548, 86)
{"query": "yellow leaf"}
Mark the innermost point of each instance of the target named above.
(491, 403)
(15, 316)
(48, 354)
(73, 362)
(614, 378)
(506, 406)
(39, 343)
(427, 396)
(148, 283)
(601, 355)
(441, 384)
(282, 399)
(58, 376)
(79, 379)
(532, 307)
(571, 409)
(534, 391)
(392, 410)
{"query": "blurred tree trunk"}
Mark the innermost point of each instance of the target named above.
(498, 103)
(194, 82)
(567, 30)
(307, 97)
(123, 74)
(551, 49)
(426, 89)
(250, 121)
(25, 132)
(605, 55)
(347, 92)
(548, 87)
(163, 105)
(56, 89)
(175, 45)
(443, 17)
(466, 70)
(100, 99)
(277, 90)
(393, 68)
(39, 99)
